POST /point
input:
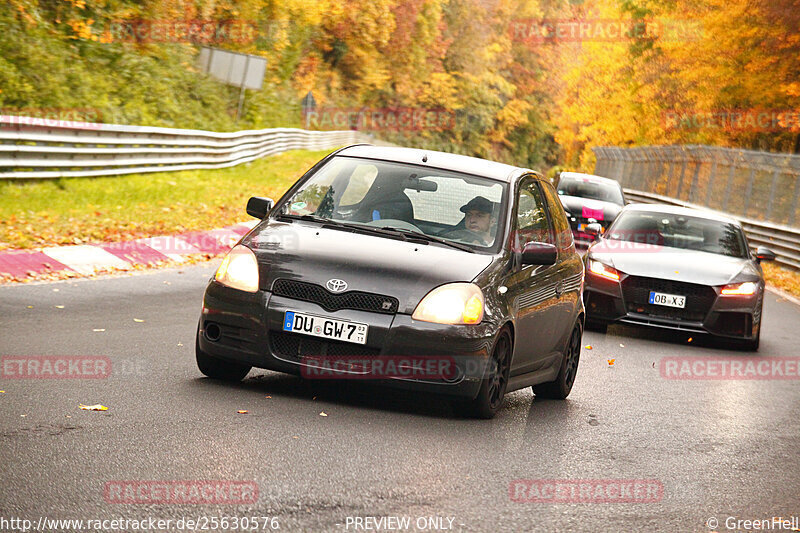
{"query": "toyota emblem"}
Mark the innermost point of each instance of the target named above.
(336, 285)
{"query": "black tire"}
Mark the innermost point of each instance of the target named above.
(560, 388)
(218, 368)
(495, 380)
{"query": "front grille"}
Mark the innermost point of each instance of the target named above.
(311, 292)
(294, 346)
(699, 298)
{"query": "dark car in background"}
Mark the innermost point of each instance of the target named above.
(381, 253)
(676, 268)
(587, 199)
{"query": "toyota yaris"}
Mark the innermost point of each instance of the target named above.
(416, 269)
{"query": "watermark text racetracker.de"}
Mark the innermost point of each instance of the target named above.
(180, 492)
(723, 368)
(586, 490)
(182, 31)
(380, 119)
(584, 29)
(732, 120)
(149, 523)
(83, 118)
(55, 367)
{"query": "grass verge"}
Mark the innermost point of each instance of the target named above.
(782, 278)
(83, 210)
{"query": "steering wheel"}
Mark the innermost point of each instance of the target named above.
(394, 223)
(465, 235)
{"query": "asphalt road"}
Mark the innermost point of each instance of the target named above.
(719, 448)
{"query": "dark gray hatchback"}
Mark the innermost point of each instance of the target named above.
(415, 269)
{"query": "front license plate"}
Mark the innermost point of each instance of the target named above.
(670, 300)
(327, 328)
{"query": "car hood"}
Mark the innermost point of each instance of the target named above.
(588, 208)
(675, 264)
(313, 253)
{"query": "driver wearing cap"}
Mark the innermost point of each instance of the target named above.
(478, 217)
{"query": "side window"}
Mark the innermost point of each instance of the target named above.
(563, 233)
(532, 223)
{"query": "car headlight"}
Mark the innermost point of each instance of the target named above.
(454, 303)
(239, 270)
(604, 271)
(739, 289)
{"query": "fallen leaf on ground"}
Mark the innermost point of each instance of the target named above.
(322, 414)
(59, 307)
(99, 329)
(242, 411)
(690, 339)
(611, 362)
(267, 396)
(180, 344)
(97, 407)
(295, 437)
(138, 320)
(30, 307)
(2, 392)
(588, 346)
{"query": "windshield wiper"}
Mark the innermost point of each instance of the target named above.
(344, 226)
(314, 218)
(387, 231)
(431, 238)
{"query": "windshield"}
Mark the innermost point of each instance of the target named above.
(453, 206)
(587, 188)
(679, 231)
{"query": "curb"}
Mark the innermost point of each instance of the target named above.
(88, 259)
(783, 294)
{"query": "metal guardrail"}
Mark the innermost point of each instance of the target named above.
(761, 186)
(783, 240)
(40, 148)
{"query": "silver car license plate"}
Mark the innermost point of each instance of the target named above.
(669, 300)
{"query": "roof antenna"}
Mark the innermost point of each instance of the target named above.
(425, 158)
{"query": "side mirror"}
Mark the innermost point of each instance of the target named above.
(594, 229)
(258, 207)
(764, 254)
(539, 253)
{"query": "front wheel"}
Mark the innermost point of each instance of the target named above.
(217, 368)
(562, 385)
(495, 380)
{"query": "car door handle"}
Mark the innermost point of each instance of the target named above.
(559, 289)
